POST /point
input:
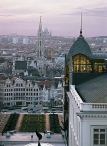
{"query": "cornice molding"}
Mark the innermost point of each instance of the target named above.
(92, 115)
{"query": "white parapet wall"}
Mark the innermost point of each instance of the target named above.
(86, 106)
(84, 118)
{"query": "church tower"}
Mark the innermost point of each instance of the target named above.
(40, 43)
(40, 59)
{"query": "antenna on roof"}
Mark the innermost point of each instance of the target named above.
(81, 26)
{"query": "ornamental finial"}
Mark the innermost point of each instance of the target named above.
(81, 26)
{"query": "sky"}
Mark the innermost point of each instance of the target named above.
(61, 17)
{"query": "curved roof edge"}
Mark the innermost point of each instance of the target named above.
(80, 46)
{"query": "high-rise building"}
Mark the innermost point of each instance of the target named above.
(25, 40)
(15, 40)
(5, 40)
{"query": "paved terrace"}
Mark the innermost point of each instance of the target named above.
(20, 139)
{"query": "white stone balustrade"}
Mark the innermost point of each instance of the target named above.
(86, 106)
(75, 95)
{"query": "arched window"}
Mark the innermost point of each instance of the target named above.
(81, 63)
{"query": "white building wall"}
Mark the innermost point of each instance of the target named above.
(73, 123)
(20, 91)
(15, 40)
(87, 124)
(83, 117)
(25, 40)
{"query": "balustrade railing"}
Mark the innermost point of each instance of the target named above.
(86, 106)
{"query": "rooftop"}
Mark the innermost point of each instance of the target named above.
(86, 107)
(94, 90)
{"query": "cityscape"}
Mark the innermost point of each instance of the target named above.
(53, 77)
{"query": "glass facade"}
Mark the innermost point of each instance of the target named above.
(99, 67)
(81, 63)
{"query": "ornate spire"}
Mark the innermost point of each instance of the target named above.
(40, 24)
(81, 26)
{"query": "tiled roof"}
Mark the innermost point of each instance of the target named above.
(93, 90)
(80, 46)
(46, 83)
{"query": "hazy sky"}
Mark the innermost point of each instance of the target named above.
(62, 17)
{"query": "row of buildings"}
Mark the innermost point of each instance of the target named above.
(34, 61)
(25, 40)
(19, 92)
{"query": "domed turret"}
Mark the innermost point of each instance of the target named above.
(80, 46)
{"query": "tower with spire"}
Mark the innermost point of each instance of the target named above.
(40, 43)
(40, 59)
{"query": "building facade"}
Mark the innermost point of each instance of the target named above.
(85, 102)
(17, 91)
(20, 92)
(87, 121)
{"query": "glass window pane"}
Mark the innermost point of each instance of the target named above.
(102, 136)
(96, 136)
(99, 137)
(82, 61)
(95, 141)
(102, 141)
(102, 130)
(96, 130)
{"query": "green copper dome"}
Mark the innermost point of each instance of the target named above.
(80, 46)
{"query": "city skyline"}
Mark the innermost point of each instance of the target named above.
(61, 17)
